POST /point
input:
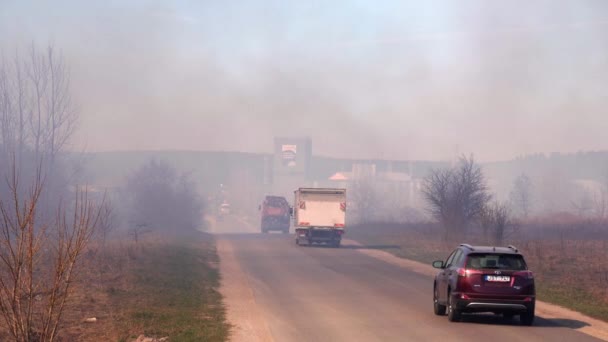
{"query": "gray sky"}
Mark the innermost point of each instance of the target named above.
(388, 79)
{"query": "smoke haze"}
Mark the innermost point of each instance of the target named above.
(364, 79)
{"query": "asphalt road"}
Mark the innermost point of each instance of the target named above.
(327, 294)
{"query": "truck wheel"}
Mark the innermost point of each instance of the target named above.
(337, 244)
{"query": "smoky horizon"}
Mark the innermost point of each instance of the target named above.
(367, 80)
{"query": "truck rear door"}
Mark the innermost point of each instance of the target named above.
(322, 208)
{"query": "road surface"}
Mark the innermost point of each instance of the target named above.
(280, 292)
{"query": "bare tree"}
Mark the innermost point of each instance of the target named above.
(107, 222)
(496, 218)
(457, 195)
(37, 118)
(486, 222)
(36, 105)
(43, 231)
(521, 195)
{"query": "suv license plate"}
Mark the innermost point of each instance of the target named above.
(496, 278)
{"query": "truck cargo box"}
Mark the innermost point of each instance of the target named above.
(319, 215)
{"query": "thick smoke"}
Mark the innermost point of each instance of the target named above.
(388, 79)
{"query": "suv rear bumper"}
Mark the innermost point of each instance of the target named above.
(494, 305)
(477, 306)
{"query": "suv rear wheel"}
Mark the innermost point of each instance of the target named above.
(437, 308)
(453, 313)
(527, 318)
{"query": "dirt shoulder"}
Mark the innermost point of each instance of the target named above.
(248, 322)
(556, 314)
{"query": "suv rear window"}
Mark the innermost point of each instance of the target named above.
(496, 261)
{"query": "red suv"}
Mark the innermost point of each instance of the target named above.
(484, 279)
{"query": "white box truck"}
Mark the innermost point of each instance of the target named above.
(319, 215)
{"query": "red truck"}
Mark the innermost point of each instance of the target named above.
(276, 214)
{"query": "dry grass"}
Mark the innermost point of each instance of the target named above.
(163, 286)
(572, 273)
(569, 260)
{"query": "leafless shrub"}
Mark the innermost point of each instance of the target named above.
(365, 200)
(456, 196)
(38, 259)
(160, 198)
(582, 203)
(137, 230)
(600, 199)
(107, 222)
(496, 219)
(521, 195)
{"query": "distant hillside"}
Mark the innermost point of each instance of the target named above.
(547, 171)
(581, 165)
(210, 169)
(213, 168)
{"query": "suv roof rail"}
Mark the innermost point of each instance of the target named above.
(466, 245)
(513, 248)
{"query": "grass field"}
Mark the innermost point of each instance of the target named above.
(163, 286)
(569, 263)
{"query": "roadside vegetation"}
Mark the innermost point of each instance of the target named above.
(165, 285)
(80, 263)
(140, 275)
(155, 273)
(47, 219)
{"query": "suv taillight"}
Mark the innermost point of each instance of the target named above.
(461, 283)
(525, 274)
(467, 272)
